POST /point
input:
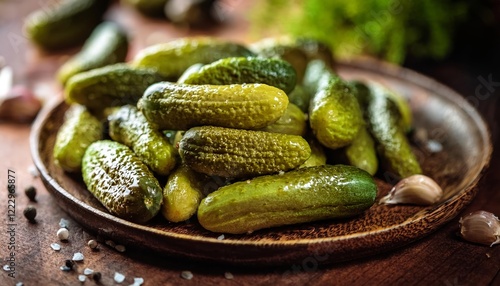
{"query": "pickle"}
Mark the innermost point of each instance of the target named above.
(335, 116)
(318, 156)
(108, 44)
(239, 70)
(65, 24)
(298, 196)
(239, 153)
(182, 106)
(173, 58)
(78, 131)
(362, 153)
(183, 193)
(121, 182)
(293, 122)
(128, 126)
(109, 86)
(392, 144)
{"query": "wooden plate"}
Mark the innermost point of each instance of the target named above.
(446, 117)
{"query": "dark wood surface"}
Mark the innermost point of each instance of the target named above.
(441, 258)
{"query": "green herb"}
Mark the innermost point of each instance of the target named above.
(389, 29)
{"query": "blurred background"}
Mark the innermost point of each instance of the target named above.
(456, 42)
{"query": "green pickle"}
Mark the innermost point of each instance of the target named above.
(182, 106)
(108, 44)
(121, 182)
(362, 153)
(239, 70)
(183, 193)
(298, 196)
(237, 153)
(112, 85)
(79, 129)
(173, 58)
(293, 122)
(335, 116)
(66, 24)
(128, 126)
(392, 144)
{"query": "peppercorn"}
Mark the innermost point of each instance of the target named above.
(96, 276)
(31, 193)
(30, 213)
(69, 263)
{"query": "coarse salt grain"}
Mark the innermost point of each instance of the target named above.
(78, 256)
(55, 246)
(63, 233)
(120, 248)
(110, 243)
(64, 223)
(188, 275)
(138, 281)
(82, 278)
(119, 278)
(220, 237)
(88, 271)
(228, 275)
(33, 171)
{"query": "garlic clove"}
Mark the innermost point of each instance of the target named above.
(416, 190)
(480, 227)
(20, 105)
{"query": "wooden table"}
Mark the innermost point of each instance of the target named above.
(441, 258)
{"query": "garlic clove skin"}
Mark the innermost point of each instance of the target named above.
(415, 190)
(19, 105)
(480, 227)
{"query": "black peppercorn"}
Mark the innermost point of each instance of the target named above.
(69, 263)
(96, 276)
(30, 213)
(30, 193)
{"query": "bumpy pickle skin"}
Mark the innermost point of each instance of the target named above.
(79, 129)
(128, 125)
(392, 144)
(109, 86)
(121, 181)
(239, 70)
(171, 59)
(238, 153)
(182, 106)
(298, 196)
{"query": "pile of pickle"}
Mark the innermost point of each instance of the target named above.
(246, 137)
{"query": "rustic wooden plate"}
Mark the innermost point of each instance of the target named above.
(446, 117)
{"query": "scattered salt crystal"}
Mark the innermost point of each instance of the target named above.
(138, 281)
(64, 223)
(33, 171)
(228, 275)
(221, 237)
(78, 256)
(55, 246)
(63, 233)
(119, 278)
(120, 248)
(82, 278)
(434, 146)
(110, 243)
(281, 173)
(88, 271)
(19, 284)
(188, 275)
(65, 268)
